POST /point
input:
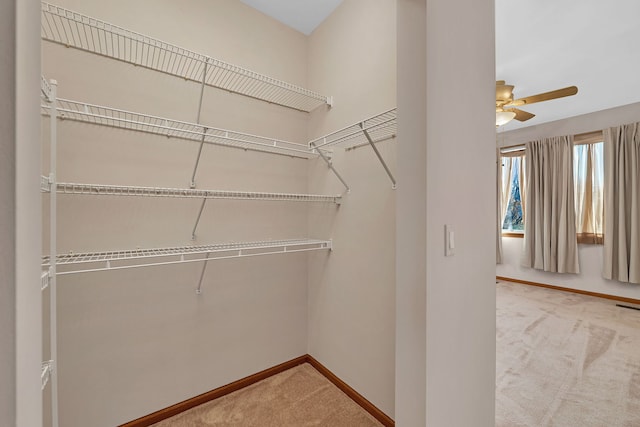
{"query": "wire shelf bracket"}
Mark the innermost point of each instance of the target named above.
(329, 163)
(123, 119)
(379, 156)
(204, 269)
(117, 260)
(195, 167)
(195, 226)
(370, 131)
(72, 29)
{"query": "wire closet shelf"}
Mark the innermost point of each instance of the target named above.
(115, 260)
(44, 279)
(137, 191)
(46, 372)
(123, 119)
(380, 127)
(82, 32)
(45, 185)
(45, 89)
(370, 131)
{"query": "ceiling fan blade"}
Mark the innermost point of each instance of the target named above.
(547, 96)
(521, 115)
(504, 94)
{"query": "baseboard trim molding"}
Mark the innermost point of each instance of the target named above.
(575, 291)
(354, 395)
(173, 410)
(176, 409)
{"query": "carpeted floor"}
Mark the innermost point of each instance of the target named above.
(297, 397)
(565, 360)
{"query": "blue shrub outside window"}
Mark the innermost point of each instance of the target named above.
(513, 220)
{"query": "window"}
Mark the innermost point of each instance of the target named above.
(588, 180)
(588, 176)
(512, 193)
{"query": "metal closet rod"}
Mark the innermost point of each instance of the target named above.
(578, 139)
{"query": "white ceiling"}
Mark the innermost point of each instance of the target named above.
(302, 15)
(541, 45)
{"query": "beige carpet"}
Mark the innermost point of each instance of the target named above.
(295, 398)
(565, 360)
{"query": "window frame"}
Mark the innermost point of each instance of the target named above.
(578, 139)
(591, 238)
(515, 151)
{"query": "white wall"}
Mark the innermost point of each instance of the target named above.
(135, 341)
(20, 244)
(7, 216)
(411, 233)
(352, 291)
(460, 173)
(591, 256)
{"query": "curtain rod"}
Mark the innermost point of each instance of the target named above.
(580, 138)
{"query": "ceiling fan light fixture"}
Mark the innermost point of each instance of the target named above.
(504, 117)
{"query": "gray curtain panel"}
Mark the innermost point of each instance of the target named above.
(622, 203)
(550, 228)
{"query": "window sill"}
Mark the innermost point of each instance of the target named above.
(512, 234)
(590, 239)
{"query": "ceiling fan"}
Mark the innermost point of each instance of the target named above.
(505, 104)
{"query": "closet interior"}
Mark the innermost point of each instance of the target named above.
(183, 255)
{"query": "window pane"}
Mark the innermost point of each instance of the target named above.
(513, 217)
(588, 173)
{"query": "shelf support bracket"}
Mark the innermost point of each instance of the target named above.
(204, 268)
(195, 167)
(193, 233)
(328, 162)
(202, 84)
(375, 149)
(204, 130)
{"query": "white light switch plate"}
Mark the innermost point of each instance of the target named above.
(449, 241)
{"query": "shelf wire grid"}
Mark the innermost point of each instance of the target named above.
(46, 372)
(181, 254)
(44, 279)
(380, 127)
(82, 32)
(120, 190)
(123, 119)
(45, 89)
(45, 185)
